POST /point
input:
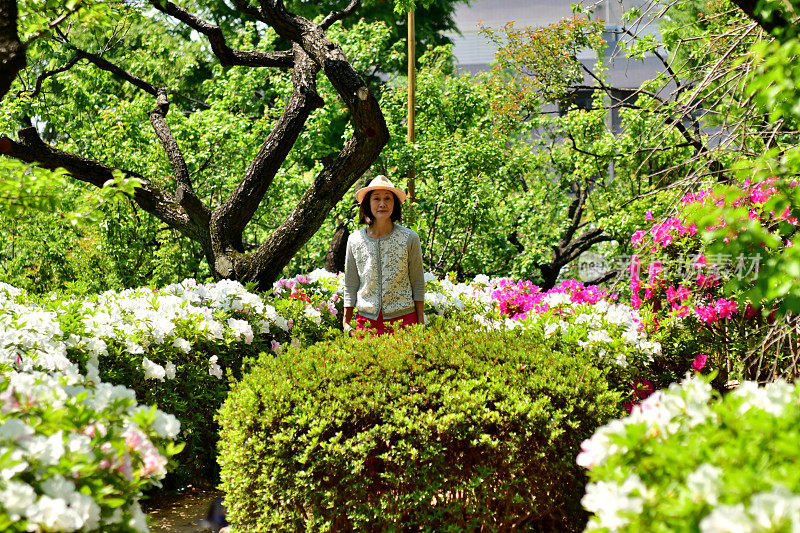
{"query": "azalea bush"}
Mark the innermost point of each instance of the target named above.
(76, 455)
(687, 459)
(172, 346)
(449, 427)
(697, 295)
(177, 346)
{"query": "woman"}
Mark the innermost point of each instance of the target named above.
(383, 269)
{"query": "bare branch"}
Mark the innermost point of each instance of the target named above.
(335, 16)
(108, 66)
(54, 23)
(184, 194)
(47, 74)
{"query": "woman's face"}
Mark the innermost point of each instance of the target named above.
(382, 204)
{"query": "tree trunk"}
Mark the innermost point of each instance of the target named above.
(12, 51)
(334, 259)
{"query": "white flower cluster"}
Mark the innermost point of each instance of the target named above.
(450, 296)
(138, 319)
(599, 318)
(30, 336)
(681, 410)
(612, 503)
(776, 510)
(663, 413)
(41, 481)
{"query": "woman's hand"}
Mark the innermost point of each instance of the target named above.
(347, 316)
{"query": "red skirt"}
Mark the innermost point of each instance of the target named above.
(381, 326)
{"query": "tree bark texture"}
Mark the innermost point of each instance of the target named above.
(220, 231)
(12, 51)
(335, 257)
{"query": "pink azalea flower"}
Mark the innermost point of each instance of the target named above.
(648, 215)
(699, 362)
(672, 294)
(681, 311)
(725, 308)
(642, 388)
(707, 281)
(683, 293)
(654, 270)
(707, 314)
(636, 284)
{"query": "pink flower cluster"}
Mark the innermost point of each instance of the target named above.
(716, 311)
(665, 232)
(640, 390)
(291, 284)
(518, 299)
(699, 362)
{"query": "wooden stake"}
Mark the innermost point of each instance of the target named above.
(411, 87)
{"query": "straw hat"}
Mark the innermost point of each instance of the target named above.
(380, 182)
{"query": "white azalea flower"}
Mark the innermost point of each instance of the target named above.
(153, 370)
(313, 315)
(704, 483)
(728, 519)
(169, 370)
(182, 344)
(17, 497)
(213, 368)
(167, 425)
(241, 330)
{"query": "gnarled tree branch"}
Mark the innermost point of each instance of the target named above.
(229, 219)
(184, 193)
(31, 149)
(227, 56)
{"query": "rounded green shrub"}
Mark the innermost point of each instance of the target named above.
(446, 429)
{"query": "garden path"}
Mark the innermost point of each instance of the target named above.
(180, 513)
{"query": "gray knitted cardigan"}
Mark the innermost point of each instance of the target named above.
(384, 275)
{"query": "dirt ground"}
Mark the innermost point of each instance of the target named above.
(180, 513)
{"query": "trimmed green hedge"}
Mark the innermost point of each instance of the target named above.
(429, 429)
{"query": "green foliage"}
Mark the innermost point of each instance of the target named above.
(445, 428)
(219, 117)
(545, 58)
(773, 87)
(464, 172)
